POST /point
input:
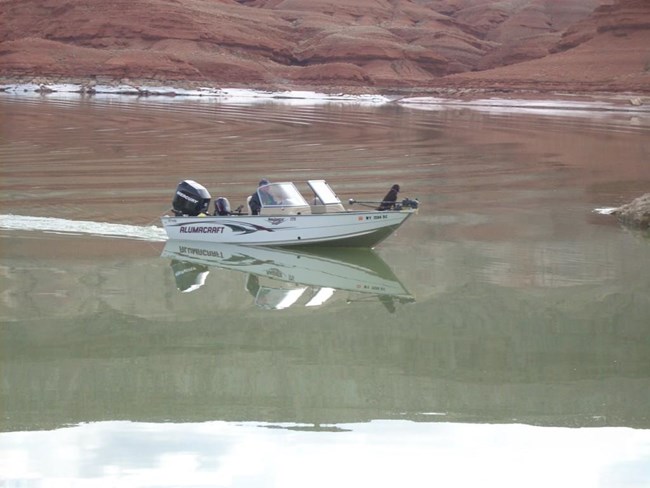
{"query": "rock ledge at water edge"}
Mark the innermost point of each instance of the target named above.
(636, 213)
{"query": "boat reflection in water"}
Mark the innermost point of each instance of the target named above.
(281, 278)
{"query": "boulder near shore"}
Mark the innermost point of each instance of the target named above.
(636, 213)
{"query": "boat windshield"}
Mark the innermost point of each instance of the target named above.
(284, 194)
(324, 192)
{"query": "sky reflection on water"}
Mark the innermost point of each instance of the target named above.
(379, 453)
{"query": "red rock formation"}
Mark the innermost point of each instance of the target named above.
(332, 43)
(607, 51)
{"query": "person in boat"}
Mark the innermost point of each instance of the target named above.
(390, 198)
(255, 203)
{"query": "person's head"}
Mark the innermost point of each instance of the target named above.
(395, 187)
(263, 182)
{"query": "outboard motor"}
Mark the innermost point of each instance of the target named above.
(408, 203)
(222, 206)
(190, 199)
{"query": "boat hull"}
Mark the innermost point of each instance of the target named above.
(350, 229)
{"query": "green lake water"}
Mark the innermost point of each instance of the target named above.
(501, 337)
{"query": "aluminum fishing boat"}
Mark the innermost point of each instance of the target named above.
(285, 218)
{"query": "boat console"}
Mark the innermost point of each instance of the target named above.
(325, 200)
(282, 199)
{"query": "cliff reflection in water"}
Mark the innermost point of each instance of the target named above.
(112, 338)
(281, 278)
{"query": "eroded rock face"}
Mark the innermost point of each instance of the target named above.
(594, 54)
(334, 43)
(636, 213)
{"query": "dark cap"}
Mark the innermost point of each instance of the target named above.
(395, 187)
(263, 182)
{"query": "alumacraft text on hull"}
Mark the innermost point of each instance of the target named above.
(285, 219)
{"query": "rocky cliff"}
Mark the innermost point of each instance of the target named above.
(578, 44)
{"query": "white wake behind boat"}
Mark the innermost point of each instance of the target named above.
(285, 218)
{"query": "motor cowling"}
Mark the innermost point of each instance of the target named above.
(191, 198)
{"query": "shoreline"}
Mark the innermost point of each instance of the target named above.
(423, 98)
